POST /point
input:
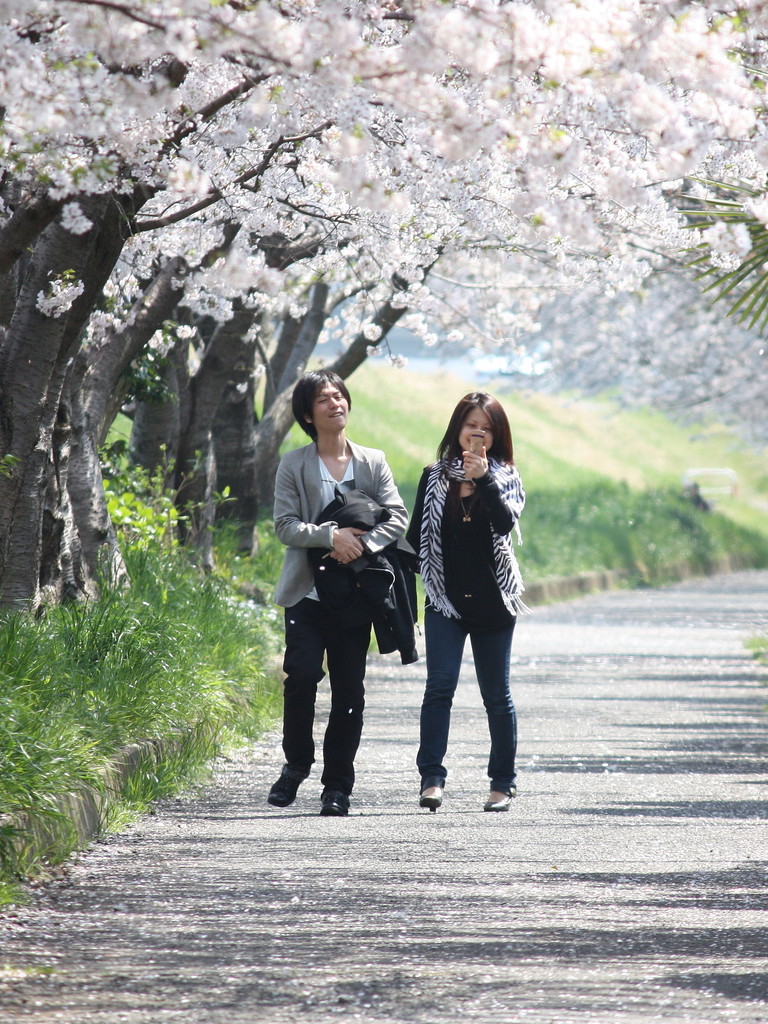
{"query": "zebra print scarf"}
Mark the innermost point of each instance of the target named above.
(430, 542)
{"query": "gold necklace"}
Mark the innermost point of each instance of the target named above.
(467, 512)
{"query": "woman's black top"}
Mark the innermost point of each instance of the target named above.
(468, 562)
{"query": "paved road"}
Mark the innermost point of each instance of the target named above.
(627, 886)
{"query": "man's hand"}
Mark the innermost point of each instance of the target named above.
(346, 546)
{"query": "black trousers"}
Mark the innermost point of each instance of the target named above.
(312, 634)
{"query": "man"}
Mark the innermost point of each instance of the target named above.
(307, 480)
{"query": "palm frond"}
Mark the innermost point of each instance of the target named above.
(746, 284)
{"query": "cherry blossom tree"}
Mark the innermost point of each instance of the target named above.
(150, 152)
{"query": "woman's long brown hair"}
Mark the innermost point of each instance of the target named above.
(501, 449)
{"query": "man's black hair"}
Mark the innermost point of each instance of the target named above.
(305, 392)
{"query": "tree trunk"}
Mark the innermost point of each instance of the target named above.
(277, 420)
(50, 543)
(234, 434)
(157, 425)
(195, 465)
(28, 220)
(106, 363)
(83, 544)
(269, 436)
(36, 528)
(275, 367)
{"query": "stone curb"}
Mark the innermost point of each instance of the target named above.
(78, 818)
(75, 819)
(562, 588)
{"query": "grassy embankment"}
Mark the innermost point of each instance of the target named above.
(178, 654)
(603, 487)
(173, 665)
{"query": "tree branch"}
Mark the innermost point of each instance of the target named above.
(386, 317)
(23, 227)
(124, 9)
(215, 195)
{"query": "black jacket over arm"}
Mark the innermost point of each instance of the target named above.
(378, 588)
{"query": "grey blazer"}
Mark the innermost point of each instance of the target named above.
(299, 501)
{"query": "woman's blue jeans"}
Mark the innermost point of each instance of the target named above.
(445, 639)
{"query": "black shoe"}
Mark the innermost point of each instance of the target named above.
(436, 784)
(285, 789)
(501, 805)
(334, 803)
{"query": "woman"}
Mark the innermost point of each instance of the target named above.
(467, 505)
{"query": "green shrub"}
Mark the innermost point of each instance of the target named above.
(610, 526)
(174, 651)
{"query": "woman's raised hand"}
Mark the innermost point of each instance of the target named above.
(475, 465)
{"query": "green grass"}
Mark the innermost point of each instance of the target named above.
(608, 526)
(758, 645)
(174, 652)
(561, 442)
